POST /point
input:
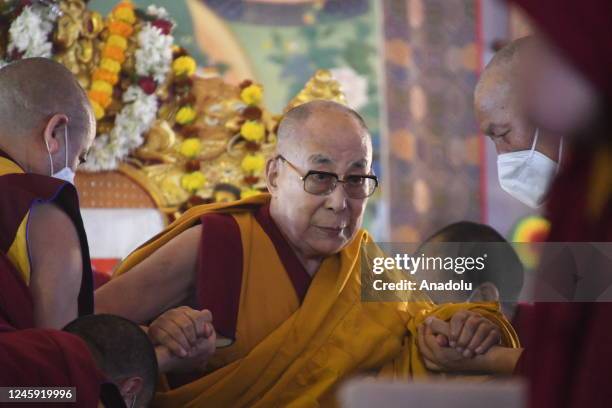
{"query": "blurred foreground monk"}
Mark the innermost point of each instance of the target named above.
(44, 357)
(281, 274)
(568, 89)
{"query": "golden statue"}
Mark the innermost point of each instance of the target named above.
(321, 86)
(76, 36)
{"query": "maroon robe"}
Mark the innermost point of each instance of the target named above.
(19, 192)
(569, 360)
(44, 358)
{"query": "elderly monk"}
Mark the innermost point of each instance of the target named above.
(281, 275)
(528, 157)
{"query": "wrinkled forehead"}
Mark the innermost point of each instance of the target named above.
(339, 148)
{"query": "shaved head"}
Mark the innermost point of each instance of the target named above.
(497, 81)
(34, 91)
(500, 114)
(298, 117)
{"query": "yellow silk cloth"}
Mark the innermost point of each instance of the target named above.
(330, 337)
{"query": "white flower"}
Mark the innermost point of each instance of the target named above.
(158, 12)
(353, 85)
(154, 55)
(153, 58)
(30, 31)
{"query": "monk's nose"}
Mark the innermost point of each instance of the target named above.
(337, 200)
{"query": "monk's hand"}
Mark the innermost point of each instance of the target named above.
(181, 330)
(472, 334)
(196, 359)
(436, 356)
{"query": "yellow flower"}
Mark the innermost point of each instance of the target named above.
(185, 115)
(251, 95)
(117, 41)
(253, 131)
(125, 14)
(191, 147)
(253, 163)
(110, 65)
(184, 65)
(250, 192)
(97, 109)
(192, 182)
(102, 86)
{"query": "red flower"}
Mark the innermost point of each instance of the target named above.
(164, 26)
(148, 85)
(252, 113)
(245, 83)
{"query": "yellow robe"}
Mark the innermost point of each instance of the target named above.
(329, 337)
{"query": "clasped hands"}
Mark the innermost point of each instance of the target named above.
(184, 339)
(461, 344)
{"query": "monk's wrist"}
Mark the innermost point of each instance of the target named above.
(500, 360)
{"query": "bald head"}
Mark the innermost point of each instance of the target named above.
(316, 112)
(39, 100)
(498, 80)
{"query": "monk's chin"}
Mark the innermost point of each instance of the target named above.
(330, 246)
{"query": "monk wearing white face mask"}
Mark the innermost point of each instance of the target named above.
(528, 158)
(47, 127)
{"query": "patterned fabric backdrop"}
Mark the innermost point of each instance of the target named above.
(434, 149)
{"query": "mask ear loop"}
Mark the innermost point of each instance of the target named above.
(535, 142)
(531, 153)
(50, 158)
(560, 154)
(66, 141)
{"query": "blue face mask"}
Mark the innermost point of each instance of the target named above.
(66, 174)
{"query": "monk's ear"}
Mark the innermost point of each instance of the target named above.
(54, 128)
(272, 174)
(485, 292)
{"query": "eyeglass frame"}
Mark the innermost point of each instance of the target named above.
(327, 173)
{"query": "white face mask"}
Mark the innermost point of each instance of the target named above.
(527, 174)
(66, 174)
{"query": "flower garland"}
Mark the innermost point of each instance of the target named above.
(254, 132)
(153, 58)
(30, 32)
(105, 77)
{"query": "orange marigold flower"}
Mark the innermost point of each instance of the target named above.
(120, 28)
(104, 75)
(117, 41)
(124, 4)
(110, 65)
(115, 53)
(125, 14)
(97, 109)
(102, 98)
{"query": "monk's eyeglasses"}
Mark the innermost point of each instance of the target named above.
(316, 182)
